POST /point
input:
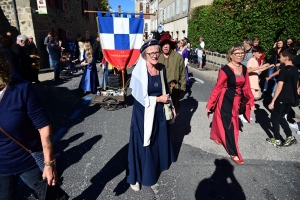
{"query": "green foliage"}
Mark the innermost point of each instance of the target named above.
(226, 22)
(103, 5)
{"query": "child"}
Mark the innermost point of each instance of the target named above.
(283, 98)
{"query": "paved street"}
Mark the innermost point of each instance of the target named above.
(94, 141)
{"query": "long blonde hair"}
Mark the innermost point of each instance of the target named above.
(88, 51)
(5, 72)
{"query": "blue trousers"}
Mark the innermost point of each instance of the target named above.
(50, 59)
(9, 183)
(56, 65)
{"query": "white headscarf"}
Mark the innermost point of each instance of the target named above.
(139, 82)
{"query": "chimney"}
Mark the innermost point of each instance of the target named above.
(119, 8)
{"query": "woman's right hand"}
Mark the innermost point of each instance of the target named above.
(163, 98)
(50, 174)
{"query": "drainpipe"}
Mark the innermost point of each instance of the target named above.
(16, 15)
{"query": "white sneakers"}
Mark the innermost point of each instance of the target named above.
(135, 187)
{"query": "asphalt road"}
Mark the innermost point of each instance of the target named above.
(94, 141)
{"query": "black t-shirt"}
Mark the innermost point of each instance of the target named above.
(287, 75)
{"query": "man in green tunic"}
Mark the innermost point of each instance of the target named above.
(175, 69)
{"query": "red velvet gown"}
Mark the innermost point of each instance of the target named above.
(225, 98)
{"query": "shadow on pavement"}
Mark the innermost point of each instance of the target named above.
(113, 168)
(221, 185)
(262, 118)
(182, 125)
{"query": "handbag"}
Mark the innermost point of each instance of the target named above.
(167, 106)
(43, 191)
(38, 156)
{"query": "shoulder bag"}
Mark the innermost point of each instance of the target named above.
(167, 106)
(38, 156)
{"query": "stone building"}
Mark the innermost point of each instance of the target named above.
(173, 15)
(144, 6)
(65, 18)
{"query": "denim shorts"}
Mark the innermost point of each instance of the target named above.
(199, 58)
(9, 183)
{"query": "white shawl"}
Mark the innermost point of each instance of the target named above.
(139, 86)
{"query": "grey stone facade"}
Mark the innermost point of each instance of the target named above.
(63, 19)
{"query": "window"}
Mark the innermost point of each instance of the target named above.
(146, 27)
(177, 7)
(168, 12)
(184, 6)
(141, 7)
(147, 8)
(161, 15)
(173, 9)
(165, 13)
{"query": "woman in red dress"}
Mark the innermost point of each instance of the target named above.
(233, 82)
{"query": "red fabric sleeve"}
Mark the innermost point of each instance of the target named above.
(247, 91)
(221, 83)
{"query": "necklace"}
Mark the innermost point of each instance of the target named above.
(235, 65)
(155, 81)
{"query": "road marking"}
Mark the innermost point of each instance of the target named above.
(197, 79)
(59, 133)
(75, 114)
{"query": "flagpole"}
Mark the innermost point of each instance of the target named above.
(103, 12)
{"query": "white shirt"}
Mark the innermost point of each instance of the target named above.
(200, 52)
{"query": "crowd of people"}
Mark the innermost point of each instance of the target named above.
(160, 77)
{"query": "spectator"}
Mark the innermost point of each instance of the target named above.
(24, 57)
(254, 69)
(10, 55)
(185, 55)
(31, 46)
(97, 49)
(225, 98)
(71, 47)
(261, 59)
(55, 54)
(274, 52)
(46, 43)
(150, 150)
(175, 69)
(248, 46)
(283, 98)
(23, 117)
(289, 42)
(200, 52)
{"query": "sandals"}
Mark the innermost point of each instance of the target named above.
(236, 160)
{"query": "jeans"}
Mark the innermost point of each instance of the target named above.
(274, 88)
(270, 71)
(56, 65)
(9, 183)
(277, 117)
(50, 59)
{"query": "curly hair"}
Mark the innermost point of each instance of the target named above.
(89, 51)
(5, 72)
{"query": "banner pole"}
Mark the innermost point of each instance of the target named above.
(103, 12)
(123, 79)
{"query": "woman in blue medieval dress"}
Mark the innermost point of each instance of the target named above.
(89, 80)
(150, 148)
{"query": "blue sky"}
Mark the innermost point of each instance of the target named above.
(126, 5)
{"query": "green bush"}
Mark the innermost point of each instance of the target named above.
(226, 22)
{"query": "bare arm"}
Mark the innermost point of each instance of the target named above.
(47, 143)
(277, 92)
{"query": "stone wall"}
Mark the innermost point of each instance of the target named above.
(215, 60)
